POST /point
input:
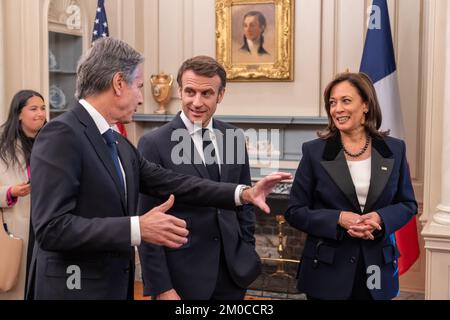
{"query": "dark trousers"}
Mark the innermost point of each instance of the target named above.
(226, 288)
(360, 290)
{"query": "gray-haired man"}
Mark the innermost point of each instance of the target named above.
(86, 181)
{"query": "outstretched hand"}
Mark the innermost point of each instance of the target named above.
(258, 193)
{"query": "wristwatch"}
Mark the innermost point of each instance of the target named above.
(241, 192)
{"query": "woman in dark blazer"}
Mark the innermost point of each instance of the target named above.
(351, 192)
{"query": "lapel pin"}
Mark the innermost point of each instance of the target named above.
(384, 168)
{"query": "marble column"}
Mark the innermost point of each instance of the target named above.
(436, 232)
(442, 216)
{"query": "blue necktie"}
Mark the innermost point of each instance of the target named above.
(111, 142)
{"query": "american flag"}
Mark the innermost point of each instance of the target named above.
(101, 31)
(101, 23)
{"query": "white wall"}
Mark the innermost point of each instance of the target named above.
(329, 38)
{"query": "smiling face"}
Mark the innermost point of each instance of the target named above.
(32, 116)
(199, 96)
(347, 108)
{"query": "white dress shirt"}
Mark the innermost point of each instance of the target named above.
(253, 46)
(104, 126)
(195, 131)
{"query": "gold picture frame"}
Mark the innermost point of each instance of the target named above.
(268, 56)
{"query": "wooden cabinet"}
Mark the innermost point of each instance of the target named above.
(64, 53)
(67, 39)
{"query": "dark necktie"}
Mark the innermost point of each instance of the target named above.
(111, 142)
(210, 157)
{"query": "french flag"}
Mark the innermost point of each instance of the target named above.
(378, 62)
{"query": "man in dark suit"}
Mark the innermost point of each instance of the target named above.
(86, 180)
(219, 260)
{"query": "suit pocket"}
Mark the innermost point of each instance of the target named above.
(63, 269)
(319, 251)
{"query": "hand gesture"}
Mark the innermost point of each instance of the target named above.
(258, 193)
(160, 228)
(365, 226)
(21, 190)
(348, 219)
(168, 295)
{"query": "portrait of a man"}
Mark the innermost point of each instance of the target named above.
(254, 25)
(255, 39)
(253, 36)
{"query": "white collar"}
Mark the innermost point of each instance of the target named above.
(254, 45)
(99, 120)
(193, 128)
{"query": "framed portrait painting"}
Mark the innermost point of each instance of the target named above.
(254, 39)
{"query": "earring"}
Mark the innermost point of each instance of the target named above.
(363, 119)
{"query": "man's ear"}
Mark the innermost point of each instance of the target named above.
(117, 83)
(220, 95)
(179, 92)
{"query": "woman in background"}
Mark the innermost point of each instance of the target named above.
(26, 117)
(351, 192)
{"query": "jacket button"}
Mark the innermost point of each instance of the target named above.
(216, 238)
(315, 263)
(352, 260)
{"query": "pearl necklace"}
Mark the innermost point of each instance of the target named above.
(361, 152)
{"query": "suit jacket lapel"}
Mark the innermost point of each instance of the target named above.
(99, 146)
(381, 169)
(192, 154)
(382, 164)
(220, 132)
(127, 164)
(340, 174)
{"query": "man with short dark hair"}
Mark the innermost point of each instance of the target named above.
(86, 180)
(219, 260)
